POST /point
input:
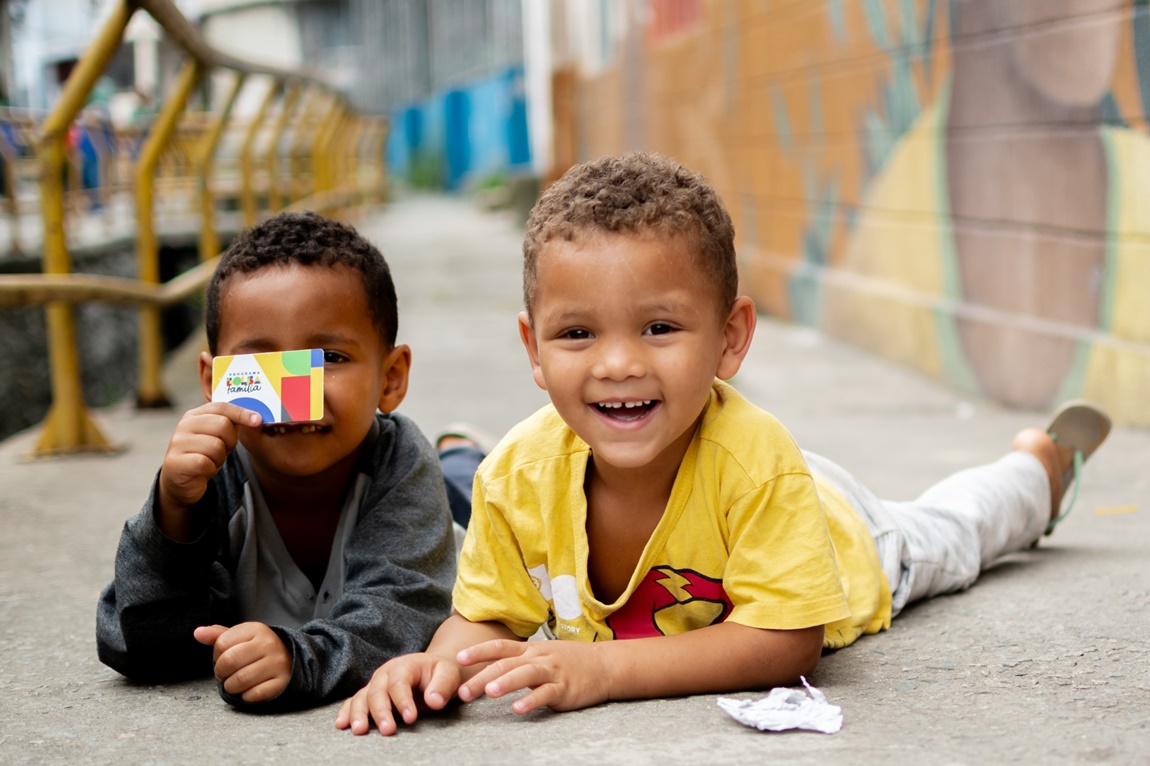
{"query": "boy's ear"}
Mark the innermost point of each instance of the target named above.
(531, 343)
(737, 333)
(396, 368)
(206, 375)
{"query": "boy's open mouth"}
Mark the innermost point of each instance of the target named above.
(627, 411)
(280, 429)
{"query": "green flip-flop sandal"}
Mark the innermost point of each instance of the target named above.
(1078, 427)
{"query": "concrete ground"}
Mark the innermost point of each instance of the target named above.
(1043, 661)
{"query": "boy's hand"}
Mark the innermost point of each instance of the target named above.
(250, 659)
(203, 439)
(563, 675)
(392, 687)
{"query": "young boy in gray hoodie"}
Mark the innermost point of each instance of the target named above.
(290, 558)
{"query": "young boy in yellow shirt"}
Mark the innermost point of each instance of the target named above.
(651, 502)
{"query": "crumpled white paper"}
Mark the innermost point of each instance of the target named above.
(785, 708)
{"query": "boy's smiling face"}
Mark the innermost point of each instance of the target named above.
(626, 336)
(281, 308)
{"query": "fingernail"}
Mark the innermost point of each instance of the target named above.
(435, 698)
(465, 693)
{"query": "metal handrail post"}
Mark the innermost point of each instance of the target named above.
(337, 150)
(297, 188)
(322, 171)
(350, 145)
(11, 156)
(247, 191)
(291, 98)
(150, 390)
(381, 161)
(364, 164)
(68, 427)
(205, 157)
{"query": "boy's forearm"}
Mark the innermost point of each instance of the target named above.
(720, 658)
(458, 633)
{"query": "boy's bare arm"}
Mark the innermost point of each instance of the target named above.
(436, 673)
(203, 439)
(567, 675)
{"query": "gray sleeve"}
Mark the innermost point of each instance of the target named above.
(162, 590)
(400, 568)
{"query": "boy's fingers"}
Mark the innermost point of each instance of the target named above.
(358, 718)
(246, 677)
(402, 700)
(490, 651)
(264, 690)
(508, 680)
(343, 715)
(232, 650)
(442, 687)
(377, 705)
(234, 413)
(208, 634)
(543, 696)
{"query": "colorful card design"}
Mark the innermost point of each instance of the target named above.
(281, 386)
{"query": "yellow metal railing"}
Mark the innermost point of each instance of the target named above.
(319, 154)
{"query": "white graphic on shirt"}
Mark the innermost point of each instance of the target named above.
(561, 592)
(566, 598)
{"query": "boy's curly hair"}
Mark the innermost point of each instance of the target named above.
(636, 193)
(306, 239)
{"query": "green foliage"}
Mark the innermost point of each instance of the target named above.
(426, 170)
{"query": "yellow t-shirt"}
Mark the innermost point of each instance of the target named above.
(744, 537)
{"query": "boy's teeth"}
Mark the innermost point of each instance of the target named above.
(628, 405)
(304, 429)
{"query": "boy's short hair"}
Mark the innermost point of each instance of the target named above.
(634, 194)
(306, 239)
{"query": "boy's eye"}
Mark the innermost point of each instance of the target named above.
(660, 329)
(575, 334)
(333, 357)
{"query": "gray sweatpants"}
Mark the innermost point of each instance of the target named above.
(941, 541)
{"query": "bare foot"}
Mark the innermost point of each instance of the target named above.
(1038, 443)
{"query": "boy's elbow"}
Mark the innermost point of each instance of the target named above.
(806, 649)
(810, 659)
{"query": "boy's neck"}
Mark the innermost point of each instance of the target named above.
(624, 507)
(306, 512)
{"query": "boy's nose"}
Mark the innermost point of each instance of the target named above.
(618, 359)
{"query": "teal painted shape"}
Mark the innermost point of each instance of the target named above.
(782, 119)
(902, 99)
(928, 39)
(877, 140)
(815, 105)
(875, 15)
(910, 34)
(804, 291)
(837, 18)
(750, 227)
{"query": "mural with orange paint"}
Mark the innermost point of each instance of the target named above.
(953, 184)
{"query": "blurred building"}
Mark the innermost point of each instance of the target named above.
(450, 73)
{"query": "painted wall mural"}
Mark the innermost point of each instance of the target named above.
(958, 185)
